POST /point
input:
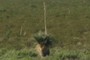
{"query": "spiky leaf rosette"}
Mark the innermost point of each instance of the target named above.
(41, 38)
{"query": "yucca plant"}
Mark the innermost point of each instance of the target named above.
(42, 38)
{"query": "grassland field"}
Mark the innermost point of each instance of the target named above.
(68, 21)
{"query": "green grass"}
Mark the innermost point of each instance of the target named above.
(29, 54)
(67, 21)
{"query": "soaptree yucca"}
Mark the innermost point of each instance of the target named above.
(43, 43)
(44, 40)
(41, 38)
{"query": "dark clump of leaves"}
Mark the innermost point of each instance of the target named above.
(42, 38)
